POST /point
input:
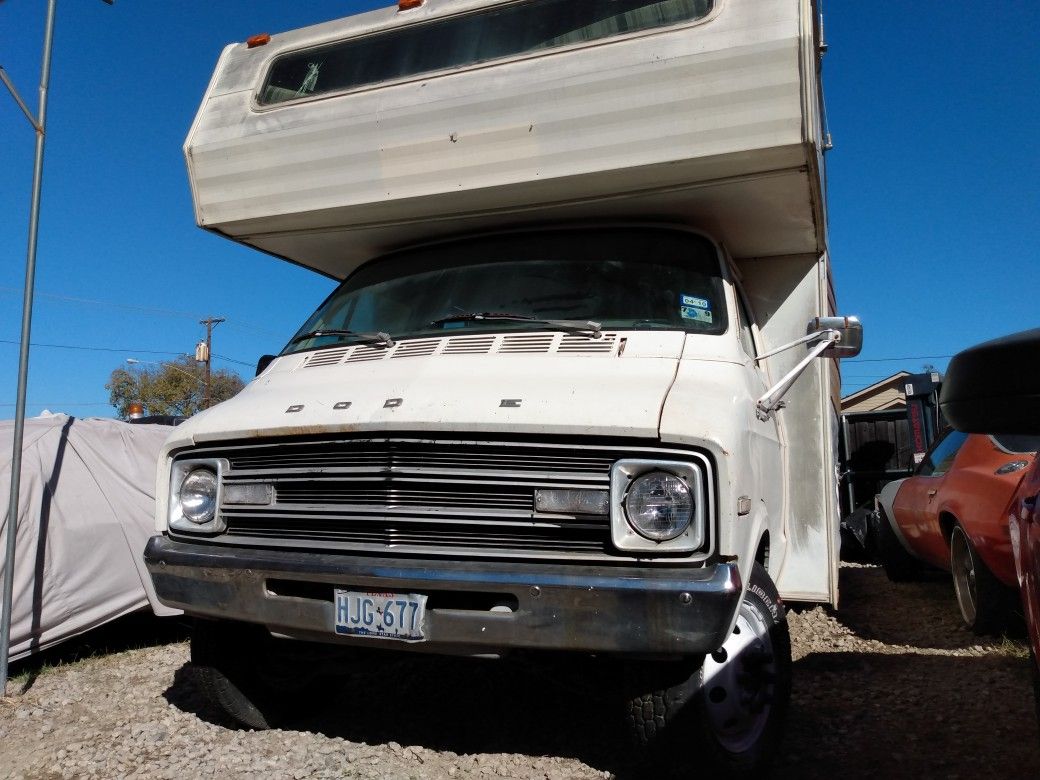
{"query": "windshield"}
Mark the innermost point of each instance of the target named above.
(633, 279)
(1017, 444)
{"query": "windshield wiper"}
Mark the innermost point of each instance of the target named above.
(572, 326)
(366, 337)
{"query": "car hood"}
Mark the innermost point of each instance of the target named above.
(604, 393)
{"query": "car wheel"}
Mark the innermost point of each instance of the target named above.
(899, 565)
(246, 673)
(981, 597)
(729, 714)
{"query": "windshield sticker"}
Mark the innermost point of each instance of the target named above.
(695, 314)
(696, 309)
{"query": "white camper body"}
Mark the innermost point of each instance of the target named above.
(706, 130)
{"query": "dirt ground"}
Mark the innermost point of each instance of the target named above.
(889, 686)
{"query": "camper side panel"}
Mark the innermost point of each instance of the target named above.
(786, 293)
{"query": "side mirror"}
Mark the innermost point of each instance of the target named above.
(263, 363)
(994, 387)
(850, 331)
(836, 337)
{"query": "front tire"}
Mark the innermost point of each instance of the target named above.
(982, 599)
(899, 565)
(248, 674)
(731, 710)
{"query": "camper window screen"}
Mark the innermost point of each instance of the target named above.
(455, 42)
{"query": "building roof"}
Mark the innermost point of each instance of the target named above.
(886, 394)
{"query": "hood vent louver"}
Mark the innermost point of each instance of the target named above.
(420, 348)
(469, 345)
(327, 357)
(364, 353)
(504, 344)
(527, 342)
(576, 343)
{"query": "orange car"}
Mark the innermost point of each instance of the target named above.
(951, 514)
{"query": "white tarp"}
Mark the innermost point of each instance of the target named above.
(85, 511)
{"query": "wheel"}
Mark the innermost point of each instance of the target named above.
(254, 678)
(899, 565)
(731, 710)
(981, 596)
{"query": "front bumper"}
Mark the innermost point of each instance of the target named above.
(670, 611)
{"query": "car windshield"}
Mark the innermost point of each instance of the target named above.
(570, 280)
(1017, 444)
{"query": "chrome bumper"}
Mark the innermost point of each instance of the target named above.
(671, 611)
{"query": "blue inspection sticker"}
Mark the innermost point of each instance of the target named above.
(695, 314)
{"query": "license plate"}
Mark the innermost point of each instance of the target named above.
(381, 615)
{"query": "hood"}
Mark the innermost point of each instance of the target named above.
(549, 384)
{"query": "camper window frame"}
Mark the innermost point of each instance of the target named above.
(268, 66)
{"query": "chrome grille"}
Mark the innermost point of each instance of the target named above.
(413, 496)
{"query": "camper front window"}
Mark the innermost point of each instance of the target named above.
(628, 279)
(498, 32)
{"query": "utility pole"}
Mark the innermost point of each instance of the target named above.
(204, 354)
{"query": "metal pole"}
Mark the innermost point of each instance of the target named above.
(23, 353)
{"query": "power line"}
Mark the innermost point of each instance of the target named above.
(112, 304)
(232, 360)
(94, 349)
(126, 350)
(147, 309)
(894, 359)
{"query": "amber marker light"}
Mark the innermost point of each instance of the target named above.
(258, 40)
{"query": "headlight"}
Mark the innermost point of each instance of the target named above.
(659, 506)
(198, 496)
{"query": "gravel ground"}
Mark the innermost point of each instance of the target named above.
(888, 686)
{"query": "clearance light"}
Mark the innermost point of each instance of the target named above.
(258, 40)
(406, 5)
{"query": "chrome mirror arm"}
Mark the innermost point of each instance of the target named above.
(770, 402)
(803, 340)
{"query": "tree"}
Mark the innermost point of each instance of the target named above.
(177, 387)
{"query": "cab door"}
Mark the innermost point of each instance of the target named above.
(766, 437)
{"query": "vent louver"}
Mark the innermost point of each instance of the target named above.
(576, 343)
(506, 344)
(327, 357)
(469, 345)
(420, 348)
(361, 354)
(527, 342)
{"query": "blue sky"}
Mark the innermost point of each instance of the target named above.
(934, 188)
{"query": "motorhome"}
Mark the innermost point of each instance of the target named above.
(576, 393)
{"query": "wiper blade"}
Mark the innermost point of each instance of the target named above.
(571, 326)
(377, 337)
